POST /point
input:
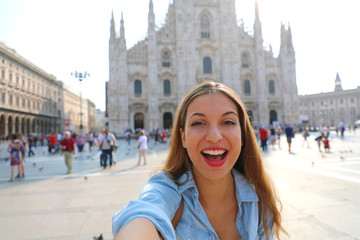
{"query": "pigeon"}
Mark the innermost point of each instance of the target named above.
(40, 169)
(34, 164)
(342, 158)
(99, 237)
(85, 177)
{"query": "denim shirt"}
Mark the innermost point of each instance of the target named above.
(161, 197)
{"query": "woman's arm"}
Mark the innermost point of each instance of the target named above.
(139, 228)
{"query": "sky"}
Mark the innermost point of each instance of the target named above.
(65, 36)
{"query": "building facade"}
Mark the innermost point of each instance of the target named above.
(199, 41)
(331, 108)
(76, 111)
(34, 102)
(28, 96)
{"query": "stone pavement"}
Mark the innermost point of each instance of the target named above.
(320, 192)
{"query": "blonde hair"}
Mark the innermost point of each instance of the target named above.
(142, 132)
(249, 162)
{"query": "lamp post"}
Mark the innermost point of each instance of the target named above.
(80, 76)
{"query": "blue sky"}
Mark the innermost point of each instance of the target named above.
(64, 36)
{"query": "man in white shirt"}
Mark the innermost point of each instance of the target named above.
(107, 141)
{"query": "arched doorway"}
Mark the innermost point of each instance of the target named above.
(2, 125)
(10, 126)
(273, 116)
(167, 120)
(17, 124)
(139, 120)
(28, 130)
(23, 126)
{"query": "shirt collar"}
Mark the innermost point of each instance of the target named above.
(245, 191)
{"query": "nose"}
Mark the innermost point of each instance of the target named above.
(213, 134)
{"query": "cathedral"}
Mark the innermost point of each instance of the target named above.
(199, 41)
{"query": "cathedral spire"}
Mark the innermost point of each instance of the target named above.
(122, 34)
(257, 18)
(151, 17)
(257, 25)
(112, 26)
(122, 27)
(289, 37)
(338, 86)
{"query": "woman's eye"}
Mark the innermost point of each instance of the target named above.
(229, 122)
(197, 124)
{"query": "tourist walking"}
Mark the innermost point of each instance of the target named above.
(263, 138)
(16, 157)
(278, 134)
(305, 136)
(273, 136)
(142, 146)
(289, 131)
(107, 145)
(67, 147)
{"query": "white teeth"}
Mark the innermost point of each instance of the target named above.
(214, 152)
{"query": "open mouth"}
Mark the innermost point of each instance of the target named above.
(215, 158)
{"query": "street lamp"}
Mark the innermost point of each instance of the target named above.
(80, 76)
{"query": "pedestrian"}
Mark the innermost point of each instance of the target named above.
(263, 138)
(213, 182)
(326, 144)
(90, 140)
(278, 133)
(142, 146)
(318, 140)
(32, 144)
(52, 143)
(16, 157)
(107, 145)
(23, 145)
(273, 135)
(342, 130)
(305, 136)
(128, 136)
(163, 136)
(80, 142)
(67, 147)
(289, 131)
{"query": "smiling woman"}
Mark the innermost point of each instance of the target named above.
(213, 183)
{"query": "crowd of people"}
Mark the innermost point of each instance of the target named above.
(272, 135)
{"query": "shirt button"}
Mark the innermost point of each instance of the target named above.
(198, 211)
(195, 194)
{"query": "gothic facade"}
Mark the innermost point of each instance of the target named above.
(199, 41)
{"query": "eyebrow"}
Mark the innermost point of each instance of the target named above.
(201, 114)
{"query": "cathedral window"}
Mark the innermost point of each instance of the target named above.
(245, 60)
(166, 59)
(137, 87)
(167, 87)
(205, 26)
(247, 89)
(207, 68)
(271, 86)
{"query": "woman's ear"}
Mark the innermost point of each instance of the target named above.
(182, 133)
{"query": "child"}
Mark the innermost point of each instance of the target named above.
(326, 144)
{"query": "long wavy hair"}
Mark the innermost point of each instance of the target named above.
(249, 162)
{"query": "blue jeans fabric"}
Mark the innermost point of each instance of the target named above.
(106, 153)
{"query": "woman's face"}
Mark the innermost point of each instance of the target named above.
(212, 135)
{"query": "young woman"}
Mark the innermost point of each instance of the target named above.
(213, 184)
(16, 157)
(142, 146)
